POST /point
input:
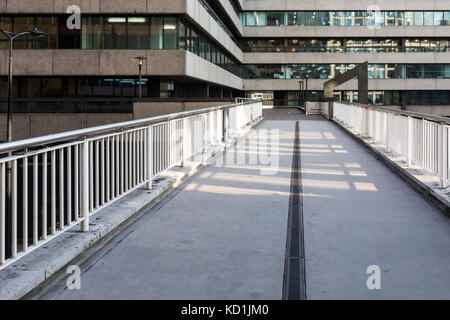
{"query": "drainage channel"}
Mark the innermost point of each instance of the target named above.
(294, 281)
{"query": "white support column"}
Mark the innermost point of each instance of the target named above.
(149, 157)
(84, 185)
(442, 155)
(409, 140)
(387, 132)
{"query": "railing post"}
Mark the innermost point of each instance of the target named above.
(386, 125)
(84, 186)
(149, 163)
(184, 147)
(409, 143)
(368, 122)
(442, 155)
(225, 124)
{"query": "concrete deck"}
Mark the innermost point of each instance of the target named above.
(223, 234)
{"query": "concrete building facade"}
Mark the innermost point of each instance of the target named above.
(201, 52)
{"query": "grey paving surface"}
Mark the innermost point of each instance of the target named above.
(223, 235)
(359, 213)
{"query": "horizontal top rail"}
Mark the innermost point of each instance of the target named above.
(87, 132)
(413, 114)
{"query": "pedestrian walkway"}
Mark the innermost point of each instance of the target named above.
(223, 234)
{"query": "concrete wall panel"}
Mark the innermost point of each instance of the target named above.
(99, 119)
(299, 58)
(161, 6)
(348, 32)
(33, 63)
(166, 62)
(375, 84)
(113, 62)
(29, 6)
(123, 6)
(199, 68)
(86, 6)
(151, 109)
(76, 62)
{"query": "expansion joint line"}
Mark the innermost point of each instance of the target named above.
(294, 280)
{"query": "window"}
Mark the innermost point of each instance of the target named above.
(138, 30)
(170, 33)
(5, 24)
(418, 18)
(428, 18)
(181, 35)
(447, 18)
(68, 39)
(439, 18)
(275, 19)
(156, 32)
(50, 26)
(22, 24)
(409, 18)
(195, 42)
(91, 33)
(103, 87)
(115, 33)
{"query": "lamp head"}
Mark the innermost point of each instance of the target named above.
(37, 33)
(140, 60)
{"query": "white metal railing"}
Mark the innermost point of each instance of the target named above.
(421, 139)
(49, 184)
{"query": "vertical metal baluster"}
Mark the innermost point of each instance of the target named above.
(107, 171)
(122, 167)
(102, 172)
(130, 161)
(84, 186)
(117, 173)
(145, 153)
(125, 167)
(138, 155)
(133, 156)
(97, 174)
(53, 191)
(149, 163)
(160, 148)
(44, 195)
(61, 189)
(35, 199)
(91, 175)
(113, 166)
(14, 210)
(2, 212)
(76, 186)
(25, 204)
(69, 185)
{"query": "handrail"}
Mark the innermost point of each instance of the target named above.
(418, 115)
(416, 138)
(74, 179)
(84, 133)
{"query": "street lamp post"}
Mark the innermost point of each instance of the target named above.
(11, 37)
(306, 87)
(140, 60)
(300, 95)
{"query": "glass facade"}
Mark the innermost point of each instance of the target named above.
(346, 18)
(119, 32)
(328, 71)
(341, 45)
